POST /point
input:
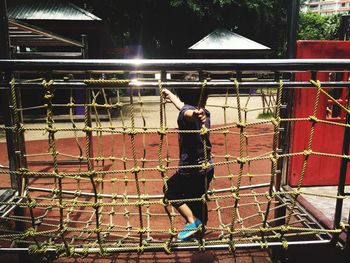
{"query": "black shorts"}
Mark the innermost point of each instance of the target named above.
(187, 186)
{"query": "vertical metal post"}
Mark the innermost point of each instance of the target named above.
(282, 164)
(8, 110)
(342, 174)
(292, 21)
(87, 101)
(347, 242)
(5, 94)
(344, 27)
(85, 48)
(4, 29)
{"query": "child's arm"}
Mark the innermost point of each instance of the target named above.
(190, 115)
(196, 115)
(173, 98)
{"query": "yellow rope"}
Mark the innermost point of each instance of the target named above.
(94, 232)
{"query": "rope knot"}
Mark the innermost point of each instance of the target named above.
(162, 131)
(273, 158)
(307, 152)
(135, 169)
(285, 244)
(173, 232)
(241, 160)
(32, 204)
(50, 129)
(30, 232)
(275, 121)
(235, 196)
(55, 190)
(166, 247)
(232, 246)
(131, 132)
(297, 192)
(140, 203)
(342, 226)
(164, 201)
(96, 205)
(263, 229)
(203, 130)
(97, 230)
(313, 119)
(142, 230)
(48, 95)
(140, 249)
(201, 247)
(317, 83)
(87, 129)
(284, 228)
(107, 106)
(264, 245)
(206, 165)
(62, 206)
(23, 171)
(269, 196)
(161, 168)
(241, 125)
(92, 173)
(20, 127)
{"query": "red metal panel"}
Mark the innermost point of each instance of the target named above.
(327, 138)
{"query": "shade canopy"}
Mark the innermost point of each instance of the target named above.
(225, 41)
(47, 10)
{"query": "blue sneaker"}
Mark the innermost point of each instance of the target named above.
(198, 222)
(189, 230)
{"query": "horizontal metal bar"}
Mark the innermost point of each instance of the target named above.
(59, 162)
(173, 247)
(176, 64)
(177, 84)
(9, 209)
(147, 197)
(4, 166)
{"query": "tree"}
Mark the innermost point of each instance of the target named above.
(166, 28)
(313, 26)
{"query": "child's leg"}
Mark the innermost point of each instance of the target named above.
(178, 188)
(186, 213)
(198, 208)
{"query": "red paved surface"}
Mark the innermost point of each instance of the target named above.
(257, 146)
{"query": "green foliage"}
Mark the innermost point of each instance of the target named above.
(266, 115)
(166, 28)
(313, 26)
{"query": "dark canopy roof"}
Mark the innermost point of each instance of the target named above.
(222, 40)
(47, 10)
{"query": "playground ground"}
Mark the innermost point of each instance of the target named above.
(325, 206)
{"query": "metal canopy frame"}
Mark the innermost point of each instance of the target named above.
(23, 35)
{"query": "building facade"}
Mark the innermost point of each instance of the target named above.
(328, 7)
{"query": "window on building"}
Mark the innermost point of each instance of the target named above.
(328, 6)
(313, 7)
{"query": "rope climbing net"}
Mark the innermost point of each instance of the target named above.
(90, 175)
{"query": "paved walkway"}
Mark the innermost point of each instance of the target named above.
(327, 205)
